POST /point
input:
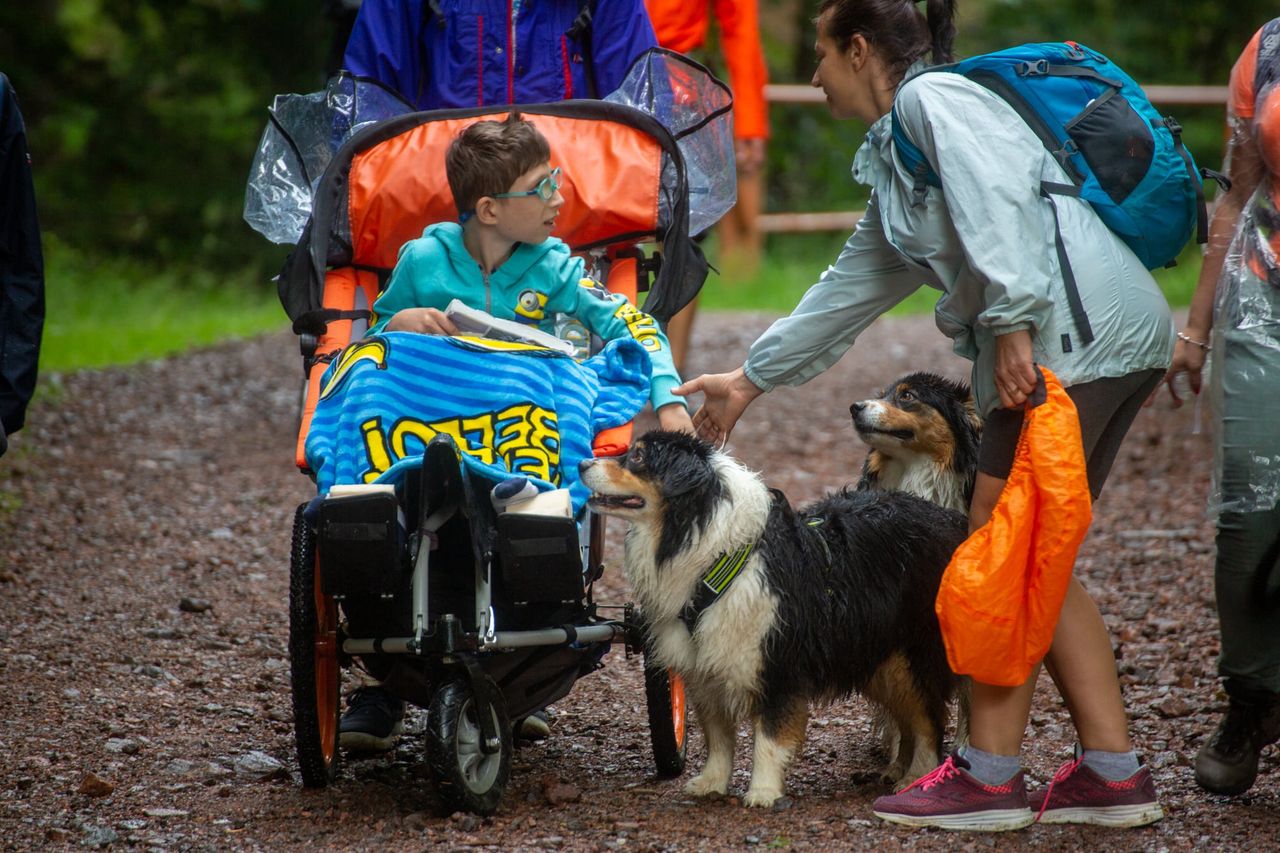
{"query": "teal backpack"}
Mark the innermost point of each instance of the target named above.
(1122, 156)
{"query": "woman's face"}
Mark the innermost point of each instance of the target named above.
(837, 75)
(854, 79)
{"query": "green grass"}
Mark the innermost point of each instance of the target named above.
(112, 312)
(790, 265)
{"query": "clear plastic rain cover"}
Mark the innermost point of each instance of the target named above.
(301, 136)
(304, 131)
(697, 108)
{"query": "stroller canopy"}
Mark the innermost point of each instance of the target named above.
(653, 162)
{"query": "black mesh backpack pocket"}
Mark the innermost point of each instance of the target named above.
(1115, 141)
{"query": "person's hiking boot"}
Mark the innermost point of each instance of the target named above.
(951, 798)
(536, 726)
(373, 721)
(1077, 794)
(1228, 763)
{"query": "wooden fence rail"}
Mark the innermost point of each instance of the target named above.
(844, 220)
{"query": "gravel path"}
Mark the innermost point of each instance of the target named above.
(145, 518)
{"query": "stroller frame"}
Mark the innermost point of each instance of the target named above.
(463, 663)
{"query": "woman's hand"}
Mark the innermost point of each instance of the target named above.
(727, 396)
(1188, 358)
(1016, 375)
(425, 321)
(674, 417)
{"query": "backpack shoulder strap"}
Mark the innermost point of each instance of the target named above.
(912, 159)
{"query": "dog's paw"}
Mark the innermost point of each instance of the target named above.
(893, 775)
(702, 786)
(761, 798)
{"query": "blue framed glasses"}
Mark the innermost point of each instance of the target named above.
(545, 190)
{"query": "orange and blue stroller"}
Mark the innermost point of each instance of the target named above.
(477, 615)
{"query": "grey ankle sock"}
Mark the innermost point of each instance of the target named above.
(1112, 766)
(988, 767)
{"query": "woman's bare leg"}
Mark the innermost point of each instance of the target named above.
(1081, 661)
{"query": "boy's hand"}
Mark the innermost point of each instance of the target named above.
(425, 321)
(674, 417)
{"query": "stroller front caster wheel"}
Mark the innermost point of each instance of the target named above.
(467, 776)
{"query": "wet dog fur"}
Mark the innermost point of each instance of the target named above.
(923, 431)
(835, 598)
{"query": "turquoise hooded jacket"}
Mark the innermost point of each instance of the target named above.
(534, 284)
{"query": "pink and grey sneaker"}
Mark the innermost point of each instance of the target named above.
(1077, 794)
(951, 798)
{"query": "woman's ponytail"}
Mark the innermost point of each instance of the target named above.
(898, 29)
(941, 15)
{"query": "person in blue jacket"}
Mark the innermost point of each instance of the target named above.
(441, 54)
(21, 270)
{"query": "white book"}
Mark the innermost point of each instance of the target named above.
(473, 321)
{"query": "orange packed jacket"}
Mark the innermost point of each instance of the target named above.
(1000, 597)
(681, 25)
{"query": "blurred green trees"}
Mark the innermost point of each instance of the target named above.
(144, 114)
(1157, 41)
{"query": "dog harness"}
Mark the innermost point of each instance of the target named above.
(715, 581)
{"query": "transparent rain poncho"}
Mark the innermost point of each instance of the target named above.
(1244, 370)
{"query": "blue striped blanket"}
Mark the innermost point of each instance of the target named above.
(513, 409)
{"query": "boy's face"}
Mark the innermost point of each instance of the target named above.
(530, 218)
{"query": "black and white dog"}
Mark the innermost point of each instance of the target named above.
(923, 431)
(764, 610)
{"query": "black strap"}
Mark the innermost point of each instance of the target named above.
(317, 321)
(920, 182)
(1202, 213)
(580, 31)
(1223, 182)
(1048, 190)
(1076, 71)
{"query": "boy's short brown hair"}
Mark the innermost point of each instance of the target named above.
(489, 156)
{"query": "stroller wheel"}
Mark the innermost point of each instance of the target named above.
(468, 778)
(668, 725)
(313, 655)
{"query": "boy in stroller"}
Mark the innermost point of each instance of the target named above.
(500, 258)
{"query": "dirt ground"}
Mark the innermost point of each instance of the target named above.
(145, 516)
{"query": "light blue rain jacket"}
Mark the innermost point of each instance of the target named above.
(986, 241)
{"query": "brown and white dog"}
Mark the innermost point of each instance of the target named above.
(923, 431)
(764, 610)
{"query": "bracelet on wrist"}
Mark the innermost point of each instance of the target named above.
(1185, 337)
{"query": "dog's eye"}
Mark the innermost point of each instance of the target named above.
(635, 459)
(906, 396)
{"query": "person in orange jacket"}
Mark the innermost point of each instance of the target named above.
(682, 26)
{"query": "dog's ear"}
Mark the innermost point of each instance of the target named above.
(689, 478)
